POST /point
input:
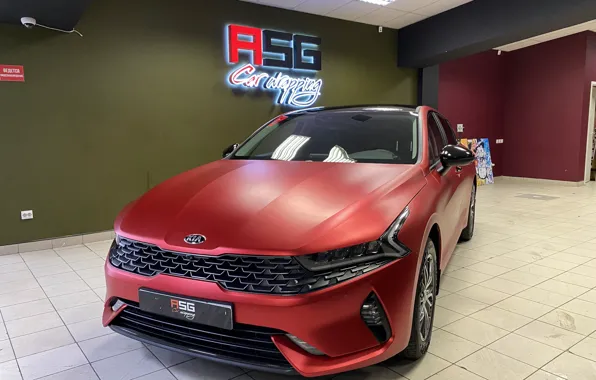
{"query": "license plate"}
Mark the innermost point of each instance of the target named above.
(188, 309)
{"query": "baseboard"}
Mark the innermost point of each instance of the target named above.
(537, 181)
(60, 242)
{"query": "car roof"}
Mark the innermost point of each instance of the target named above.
(393, 108)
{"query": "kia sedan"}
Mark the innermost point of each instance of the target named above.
(314, 247)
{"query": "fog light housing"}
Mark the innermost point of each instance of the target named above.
(305, 346)
(374, 316)
(116, 305)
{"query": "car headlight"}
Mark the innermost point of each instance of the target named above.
(387, 246)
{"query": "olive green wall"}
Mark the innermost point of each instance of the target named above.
(142, 97)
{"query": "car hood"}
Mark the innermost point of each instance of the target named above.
(271, 207)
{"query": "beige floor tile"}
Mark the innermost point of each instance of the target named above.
(107, 346)
(76, 299)
(505, 286)
(539, 270)
(577, 279)
(506, 262)
(550, 335)
(495, 366)
(523, 277)
(50, 270)
(589, 296)
(586, 349)
(525, 350)
(41, 341)
(451, 347)
(10, 371)
(28, 309)
(453, 285)
(84, 372)
(58, 278)
(543, 375)
(418, 370)
(524, 307)
(10, 259)
(444, 317)
(65, 288)
(33, 324)
(6, 352)
(128, 365)
(585, 308)
(501, 318)
(167, 357)
(570, 321)
(461, 261)
(585, 251)
(21, 296)
(8, 268)
(86, 264)
(544, 297)
(52, 361)
(570, 258)
(17, 286)
(209, 370)
(488, 269)
(552, 263)
(374, 372)
(563, 288)
(572, 367)
(89, 329)
(460, 304)
(455, 373)
(164, 374)
(81, 313)
(475, 331)
(584, 271)
(482, 294)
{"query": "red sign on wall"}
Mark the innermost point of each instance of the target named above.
(12, 73)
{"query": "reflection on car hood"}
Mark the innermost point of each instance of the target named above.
(268, 206)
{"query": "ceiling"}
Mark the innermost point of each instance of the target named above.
(395, 15)
(591, 25)
(62, 14)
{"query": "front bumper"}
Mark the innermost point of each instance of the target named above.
(327, 319)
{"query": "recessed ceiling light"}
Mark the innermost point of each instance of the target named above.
(378, 2)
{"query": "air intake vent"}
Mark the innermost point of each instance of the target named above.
(374, 316)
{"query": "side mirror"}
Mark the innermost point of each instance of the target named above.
(229, 150)
(455, 155)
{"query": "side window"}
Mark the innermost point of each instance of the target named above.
(437, 142)
(451, 139)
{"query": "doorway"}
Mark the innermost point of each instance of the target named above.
(591, 140)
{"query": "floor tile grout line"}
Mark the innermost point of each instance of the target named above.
(65, 325)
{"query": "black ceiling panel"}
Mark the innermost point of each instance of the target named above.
(62, 14)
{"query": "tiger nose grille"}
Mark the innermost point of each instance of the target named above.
(255, 274)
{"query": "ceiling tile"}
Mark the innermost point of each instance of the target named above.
(353, 10)
(518, 45)
(321, 7)
(402, 21)
(410, 5)
(380, 16)
(440, 6)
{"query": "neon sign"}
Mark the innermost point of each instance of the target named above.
(275, 50)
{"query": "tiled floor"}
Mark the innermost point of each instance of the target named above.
(517, 302)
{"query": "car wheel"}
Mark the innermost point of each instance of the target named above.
(424, 307)
(468, 232)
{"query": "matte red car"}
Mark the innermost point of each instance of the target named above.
(316, 246)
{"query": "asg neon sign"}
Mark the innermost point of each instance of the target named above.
(275, 50)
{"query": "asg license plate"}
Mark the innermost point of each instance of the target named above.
(198, 311)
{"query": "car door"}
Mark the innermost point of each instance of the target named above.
(449, 182)
(460, 175)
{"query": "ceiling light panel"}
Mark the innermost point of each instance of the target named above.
(379, 2)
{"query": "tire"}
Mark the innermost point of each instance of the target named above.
(468, 232)
(424, 305)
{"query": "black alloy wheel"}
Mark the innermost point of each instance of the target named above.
(424, 307)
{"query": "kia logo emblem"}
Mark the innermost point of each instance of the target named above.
(195, 239)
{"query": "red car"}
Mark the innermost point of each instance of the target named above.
(316, 246)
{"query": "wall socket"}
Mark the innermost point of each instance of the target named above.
(499, 141)
(460, 128)
(27, 214)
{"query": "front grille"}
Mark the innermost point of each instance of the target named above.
(255, 274)
(249, 345)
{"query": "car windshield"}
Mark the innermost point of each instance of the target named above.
(369, 135)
